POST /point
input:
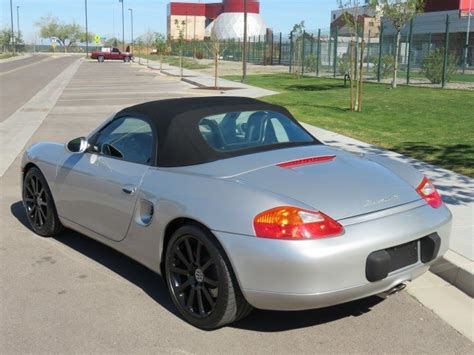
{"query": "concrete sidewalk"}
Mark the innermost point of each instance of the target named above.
(206, 82)
(457, 266)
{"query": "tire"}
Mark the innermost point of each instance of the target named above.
(126, 59)
(100, 59)
(39, 204)
(200, 280)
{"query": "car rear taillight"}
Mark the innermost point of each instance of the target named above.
(428, 192)
(294, 223)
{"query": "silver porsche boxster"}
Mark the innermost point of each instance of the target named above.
(237, 206)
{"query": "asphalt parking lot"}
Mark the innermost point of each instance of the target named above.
(72, 294)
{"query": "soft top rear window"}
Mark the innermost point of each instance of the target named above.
(234, 131)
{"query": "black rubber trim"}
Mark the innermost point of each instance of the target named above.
(377, 266)
(430, 247)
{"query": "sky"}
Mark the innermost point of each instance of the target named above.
(105, 16)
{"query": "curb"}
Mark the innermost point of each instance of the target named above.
(456, 270)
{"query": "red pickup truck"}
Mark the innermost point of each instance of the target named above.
(110, 53)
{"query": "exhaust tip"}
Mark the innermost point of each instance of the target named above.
(394, 290)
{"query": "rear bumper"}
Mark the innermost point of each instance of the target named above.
(297, 275)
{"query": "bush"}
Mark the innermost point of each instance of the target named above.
(432, 66)
(343, 64)
(199, 55)
(387, 65)
(310, 63)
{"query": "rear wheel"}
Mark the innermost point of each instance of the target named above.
(126, 59)
(100, 59)
(39, 204)
(200, 280)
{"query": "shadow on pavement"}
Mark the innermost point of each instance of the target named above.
(273, 321)
(153, 285)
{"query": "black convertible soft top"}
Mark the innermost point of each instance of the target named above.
(176, 122)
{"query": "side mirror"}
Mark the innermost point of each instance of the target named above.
(77, 145)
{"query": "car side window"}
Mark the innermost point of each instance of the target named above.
(115, 50)
(127, 138)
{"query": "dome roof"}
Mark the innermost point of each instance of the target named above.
(230, 25)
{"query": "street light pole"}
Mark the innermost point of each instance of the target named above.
(123, 27)
(131, 28)
(466, 50)
(13, 33)
(18, 21)
(87, 31)
(244, 49)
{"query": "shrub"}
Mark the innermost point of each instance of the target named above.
(432, 66)
(310, 63)
(387, 64)
(343, 64)
(199, 55)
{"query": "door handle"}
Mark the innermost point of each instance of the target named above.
(129, 189)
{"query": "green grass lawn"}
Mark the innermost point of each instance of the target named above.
(433, 125)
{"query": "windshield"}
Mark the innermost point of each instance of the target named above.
(234, 131)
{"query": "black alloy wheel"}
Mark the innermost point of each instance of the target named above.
(194, 276)
(200, 282)
(39, 204)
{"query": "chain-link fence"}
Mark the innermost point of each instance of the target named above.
(421, 57)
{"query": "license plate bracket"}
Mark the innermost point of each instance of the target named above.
(403, 255)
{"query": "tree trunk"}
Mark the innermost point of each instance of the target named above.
(395, 65)
(216, 68)
(181, 64)
(361, 76)
(351, 76)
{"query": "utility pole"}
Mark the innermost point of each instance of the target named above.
(131, 28)
(466, 50)
(244, 49)
(12, 30)
(123, 27)
(87, 30)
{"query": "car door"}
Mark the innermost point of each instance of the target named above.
(115, 54)
(98, 189)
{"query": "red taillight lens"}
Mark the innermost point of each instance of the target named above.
(294, 223)
(428, 192)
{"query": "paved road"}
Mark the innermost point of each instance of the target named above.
(72, 294)
(21, 79)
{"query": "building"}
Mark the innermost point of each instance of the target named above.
(225, 20)
(367, 19)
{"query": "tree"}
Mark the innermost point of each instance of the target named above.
(148, 38)
(66, 34)
(216, 49)
(181, 42)
(399, 13)
(297, 40)
(161, 45)
(351, 17)
(6, 42)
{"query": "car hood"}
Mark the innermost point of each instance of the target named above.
(347, 186)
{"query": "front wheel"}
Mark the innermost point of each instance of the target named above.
(200, 281)
(100, 59)
(126, 59)
(39, 204)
